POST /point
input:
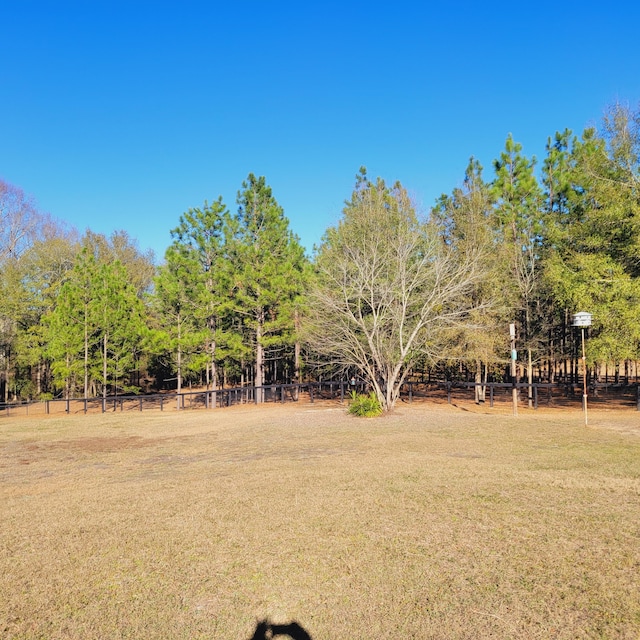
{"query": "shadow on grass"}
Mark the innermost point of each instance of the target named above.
(265, 631)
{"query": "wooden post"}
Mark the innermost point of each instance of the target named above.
(514, 371)
(584, 379)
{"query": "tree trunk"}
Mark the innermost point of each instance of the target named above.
(67, 382)
(214, 374)
(296, 367)
(6, 376)
(296, 350)
(529, 378)
(259, 372)
(86, 355)
(479, 389)
(104, 366)
(179, 364)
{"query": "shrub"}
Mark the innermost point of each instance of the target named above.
(364, 406)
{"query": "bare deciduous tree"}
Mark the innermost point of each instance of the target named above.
(19, 221)
(388, 289)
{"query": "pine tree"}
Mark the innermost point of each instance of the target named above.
(96, 327)
(466, 222)
(178, 335)
(519, 213)
(268, 270)
(593, 261)
(69, 327)
(200, 240)
(119, 319)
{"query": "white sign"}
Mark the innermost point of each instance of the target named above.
(581, 319)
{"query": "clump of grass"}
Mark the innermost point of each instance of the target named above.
(365, 405)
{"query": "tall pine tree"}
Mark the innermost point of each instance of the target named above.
(267, 273)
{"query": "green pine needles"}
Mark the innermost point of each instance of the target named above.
(365, 405)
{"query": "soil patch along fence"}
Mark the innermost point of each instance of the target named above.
(495, 393)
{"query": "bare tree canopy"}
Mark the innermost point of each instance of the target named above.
(388, 289)
(19, 221)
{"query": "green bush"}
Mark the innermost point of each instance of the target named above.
(364, 406)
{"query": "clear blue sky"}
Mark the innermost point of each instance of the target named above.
(123, 115)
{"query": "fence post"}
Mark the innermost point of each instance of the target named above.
(638, 398)
(311, 393)
(449, 391)
(141, 404)
(491, 394)
(535, 396)
(282, 394)
(410, 391)
(85, 405)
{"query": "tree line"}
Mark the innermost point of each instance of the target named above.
(390, 292)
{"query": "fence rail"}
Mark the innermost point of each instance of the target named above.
(536, 393)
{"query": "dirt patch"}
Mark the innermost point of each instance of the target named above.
(100, 444)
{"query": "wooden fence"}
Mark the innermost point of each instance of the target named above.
(338, 390)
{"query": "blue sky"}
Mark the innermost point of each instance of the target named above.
(123, 115)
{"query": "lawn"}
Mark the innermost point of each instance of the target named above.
(434, 522)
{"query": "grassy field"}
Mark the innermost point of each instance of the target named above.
(434, 522)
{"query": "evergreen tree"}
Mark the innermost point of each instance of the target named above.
(175, 304)
(44, 267)
(198, 253)
(466, 222)
(96, 327)
(593, 261)
(69, 327)
(268, 270)
(519, 215)
(119, 319)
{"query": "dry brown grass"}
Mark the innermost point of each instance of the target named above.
(430, 523)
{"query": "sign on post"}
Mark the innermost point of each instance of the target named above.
(581, 319)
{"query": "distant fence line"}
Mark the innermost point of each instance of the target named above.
(537, 393)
